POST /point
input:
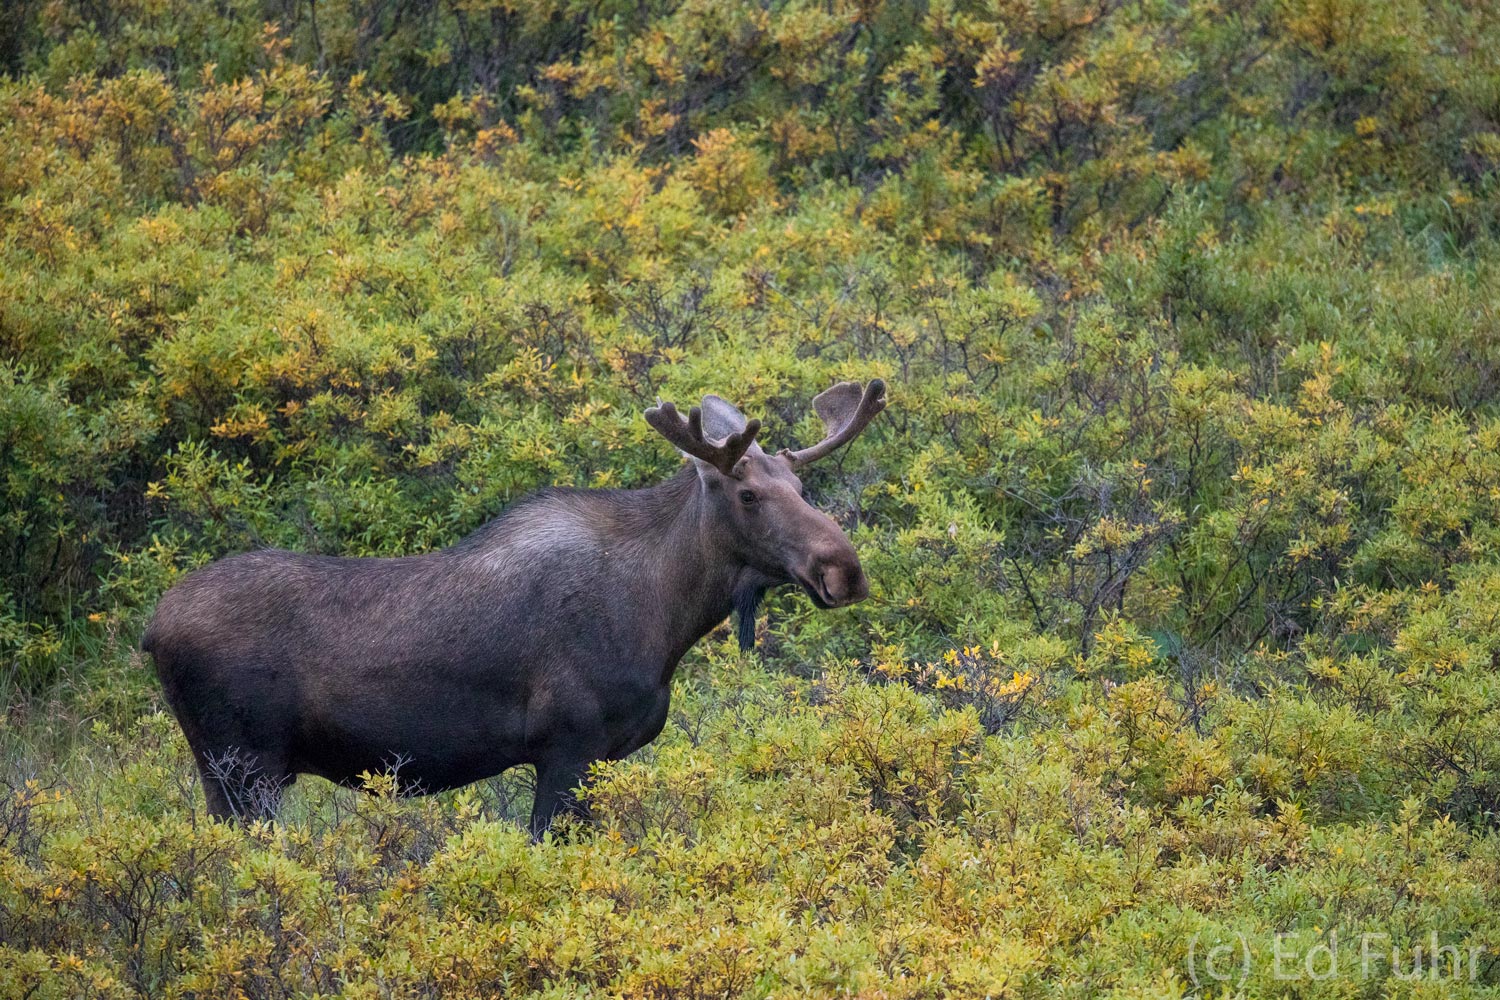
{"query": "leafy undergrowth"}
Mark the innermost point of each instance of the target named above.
(1179, 673)
(783, 837)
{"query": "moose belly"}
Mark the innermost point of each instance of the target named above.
(429, 745)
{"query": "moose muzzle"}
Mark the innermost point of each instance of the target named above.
(832, 576)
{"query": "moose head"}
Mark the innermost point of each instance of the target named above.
(756, 510)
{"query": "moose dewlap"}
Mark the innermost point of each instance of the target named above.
(549, 636)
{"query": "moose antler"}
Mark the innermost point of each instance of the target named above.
(845, 411)
(687, 435)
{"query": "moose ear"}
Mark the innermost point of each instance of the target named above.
(721, 419)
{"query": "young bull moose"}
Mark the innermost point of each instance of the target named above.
(549, 636)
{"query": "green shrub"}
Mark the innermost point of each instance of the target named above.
(1181, 523)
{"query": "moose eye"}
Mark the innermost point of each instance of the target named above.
(747, 496)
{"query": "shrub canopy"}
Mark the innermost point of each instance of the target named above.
(1183, 520)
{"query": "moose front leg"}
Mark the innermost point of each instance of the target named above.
(555, 781)
(590, 729)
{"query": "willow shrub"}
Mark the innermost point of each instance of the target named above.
(1181, 523)
(783, 836)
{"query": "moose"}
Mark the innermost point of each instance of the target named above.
(548, 636)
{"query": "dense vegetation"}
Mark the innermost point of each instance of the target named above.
(1183, 521)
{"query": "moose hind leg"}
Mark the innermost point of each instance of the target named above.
(242, 784)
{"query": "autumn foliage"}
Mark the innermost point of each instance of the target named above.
(1182, 523)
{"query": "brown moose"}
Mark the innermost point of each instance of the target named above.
(548, 636)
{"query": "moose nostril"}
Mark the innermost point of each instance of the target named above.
(836, 584)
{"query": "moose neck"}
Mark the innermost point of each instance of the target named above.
(683, 569)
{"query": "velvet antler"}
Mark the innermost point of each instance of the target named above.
(687, 435)
(845, 411)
